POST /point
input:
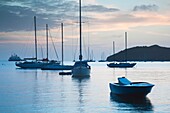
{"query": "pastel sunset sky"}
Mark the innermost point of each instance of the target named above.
(104, 21)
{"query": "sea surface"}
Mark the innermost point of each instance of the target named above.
(44, 91)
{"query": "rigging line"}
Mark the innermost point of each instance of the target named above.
(73, 56)
(26, 50)
(76, 48)
(42, 52)
(84, 45)
(73, 52)
(55, 50)
(86, 20)
(88, 39)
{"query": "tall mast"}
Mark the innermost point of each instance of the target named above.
(80, 56)
(88, 43)
(113, 47)
(62, 42)
(125, 46)
(35, 38)
(114, 50)
(88, 53)
(47, 38)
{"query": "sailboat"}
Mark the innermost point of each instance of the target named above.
(56, 66)
(34, 63)
(81, 68)
(122, 64)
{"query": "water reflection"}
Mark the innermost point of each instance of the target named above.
(81, 85)
(80, 79)
(131, 104)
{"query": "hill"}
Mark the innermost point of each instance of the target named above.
(144, 53)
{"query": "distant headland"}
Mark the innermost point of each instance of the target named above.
(143, 53)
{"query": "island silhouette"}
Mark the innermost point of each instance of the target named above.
(142, 53)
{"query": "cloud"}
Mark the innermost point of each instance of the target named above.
(99, 9)
(126, 21)
(146, 8)
(90, 1)
(18, 15)
(15, 18)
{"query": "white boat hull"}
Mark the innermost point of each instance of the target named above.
(81, 72)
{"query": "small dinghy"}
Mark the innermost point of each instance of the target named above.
(65, 73)
(126, 88)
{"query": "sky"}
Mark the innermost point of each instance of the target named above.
(147, 22)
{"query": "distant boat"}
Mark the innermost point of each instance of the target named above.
(122, 64)
(90, 57)
(90, 60)
(102, 61)
(102, 58)
(14, 57)
(81, 68)
(126, 88)
(33, 63)
(56, 66)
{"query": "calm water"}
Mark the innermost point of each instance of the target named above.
(37, 91)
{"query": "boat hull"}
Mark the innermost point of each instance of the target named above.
(30, 65)
(81, 72)
(12, 59)
(57, 67)
(121, 65)
(131, 90)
